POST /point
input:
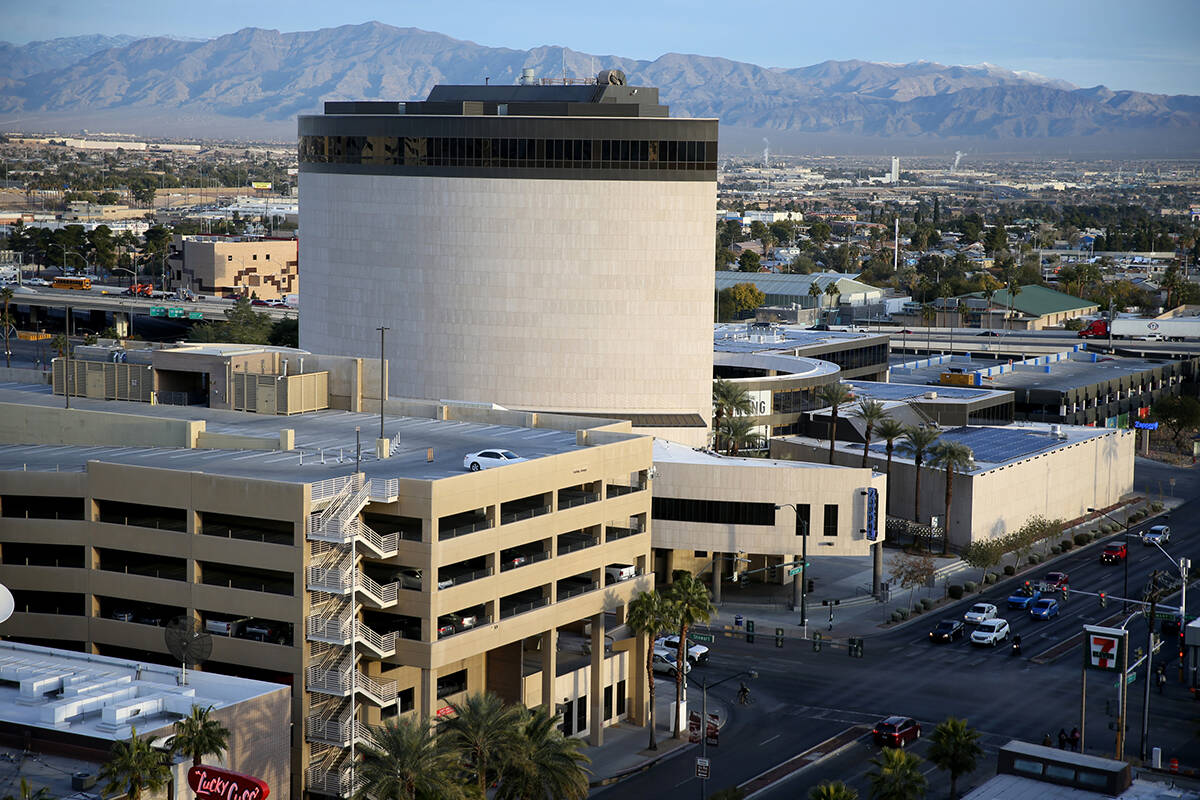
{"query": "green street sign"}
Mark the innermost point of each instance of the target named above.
(795, 571)
(158, 311)
(702, 638)
(1130, 678)
(176, 313)
(195, 315)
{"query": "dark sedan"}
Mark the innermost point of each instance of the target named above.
(948, 630)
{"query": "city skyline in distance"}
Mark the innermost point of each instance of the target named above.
(1114, 44)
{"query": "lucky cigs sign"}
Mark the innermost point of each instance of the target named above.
(212, 783)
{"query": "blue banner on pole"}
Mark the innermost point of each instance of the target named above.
(872, 514)
(1146, 426)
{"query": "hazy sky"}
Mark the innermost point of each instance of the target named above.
(1149, 45)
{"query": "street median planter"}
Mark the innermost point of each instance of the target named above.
(955, 591)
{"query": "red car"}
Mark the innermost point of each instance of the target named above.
(896, 731)
(1056, 580)
(1113, 553)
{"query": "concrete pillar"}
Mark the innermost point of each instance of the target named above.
(427, 702)
(716, 578)
(596, 693)
(639, 707)
(121, 324)
(549, 668)
(876, 568)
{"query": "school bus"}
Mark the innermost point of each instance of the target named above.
(72, 283)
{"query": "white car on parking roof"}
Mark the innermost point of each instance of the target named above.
(486, 459)
(980, 612)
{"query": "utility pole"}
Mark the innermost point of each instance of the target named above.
(1149, 661)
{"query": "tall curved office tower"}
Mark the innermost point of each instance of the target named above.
(544, 247)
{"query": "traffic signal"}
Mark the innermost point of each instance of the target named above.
(749, 631)
(856, 647)
(1065, 592)
(774, 573)
(816, 642)
(811, 585)
(779, 637)
(1103, 600)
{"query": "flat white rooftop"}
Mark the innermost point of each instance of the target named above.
(102, 697)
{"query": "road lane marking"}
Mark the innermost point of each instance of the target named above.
(768, 741)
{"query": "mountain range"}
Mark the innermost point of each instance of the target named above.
(254, 82)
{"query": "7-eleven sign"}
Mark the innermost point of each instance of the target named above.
(1103, 648)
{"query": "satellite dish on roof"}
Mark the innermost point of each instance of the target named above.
(187, 643)
(7, 604)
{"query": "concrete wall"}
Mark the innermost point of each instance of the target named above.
(555, 294)
(22, 424)
(267, 268)
(1059, 484)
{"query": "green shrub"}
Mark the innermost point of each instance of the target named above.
(1066, 545)
(916, 610)
(1009, 569)
(970, 586)
(1034, 558)
(1157, 506)
(990, 578)
(903, 612)
(955, 591)
(1082, 538)
(1055, 550)
(896, 616)
(926, 604)
(1097, 533)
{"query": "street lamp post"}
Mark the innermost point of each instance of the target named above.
(800, 579)
(382, 377)
(1125, 590)
(1184, 565)
(704, 687)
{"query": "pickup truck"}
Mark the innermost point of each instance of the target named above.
(620, 572)
(1024, 597)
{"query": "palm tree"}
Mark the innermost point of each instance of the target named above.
(833, 395)
(832, 790)
(917, 442)
(890, 430)
(405, 761)
(6, 294)
(739, 432)
(814, 291)
(928, 315)
(729, 400)
(897, 776)
(545, 764)
(690, 603)
(950, 456)
(954, 749)
(134, 767)
(831, 291)
(649, 615)
(484, 730)
(200, 735)
(26, 792)
(871, 413)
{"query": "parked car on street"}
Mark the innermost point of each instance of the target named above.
(1113, 553)
(486, 459)
(664, 661)
(896, 731)
(948, 630)
(990, 632)
(980, 612)
(1045, 608)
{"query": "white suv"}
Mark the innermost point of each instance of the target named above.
(696, 653)
(1158, 534)
(664, 661)
(991, 631)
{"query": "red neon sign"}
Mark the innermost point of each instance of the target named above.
(213, 783)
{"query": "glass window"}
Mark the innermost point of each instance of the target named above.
(831, 519)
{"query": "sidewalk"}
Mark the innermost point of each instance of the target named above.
(625, 750)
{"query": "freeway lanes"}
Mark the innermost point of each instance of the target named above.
(109, 298)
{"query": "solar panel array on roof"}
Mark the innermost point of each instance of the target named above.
(993, 445)
(903, 391)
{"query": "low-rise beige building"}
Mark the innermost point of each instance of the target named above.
(241, 266)
(374, 587)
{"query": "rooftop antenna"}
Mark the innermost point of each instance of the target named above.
(187, 644)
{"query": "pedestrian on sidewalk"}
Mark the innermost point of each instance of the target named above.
(1047, 741)
(1062, 738)
(1076, 736)
(1161, 678)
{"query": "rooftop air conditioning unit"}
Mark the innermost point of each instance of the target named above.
(1057, 432)
(931, 395)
